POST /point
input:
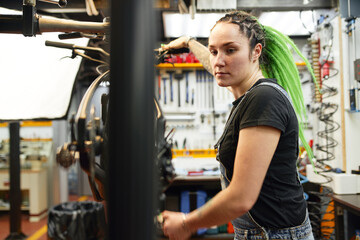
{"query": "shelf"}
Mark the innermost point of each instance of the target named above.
(198, 65)
(215, 236)
(220, 236)
(30, 124)
(207, 183)
(300, 63)
(352, 111)
(196, 178)
(196, 153)
(180, 65)
(210, 184)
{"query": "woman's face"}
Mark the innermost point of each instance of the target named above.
(230, 56)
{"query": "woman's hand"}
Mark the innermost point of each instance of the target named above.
(174, 226)
(181, 42)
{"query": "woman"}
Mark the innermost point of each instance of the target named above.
(262, 194)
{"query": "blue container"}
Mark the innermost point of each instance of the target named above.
(190, 201)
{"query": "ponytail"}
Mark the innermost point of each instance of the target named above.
(279, 64)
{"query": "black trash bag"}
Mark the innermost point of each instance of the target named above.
(77, 221)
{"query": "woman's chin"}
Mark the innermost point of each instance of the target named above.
(221, 83)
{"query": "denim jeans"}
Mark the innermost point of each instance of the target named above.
(301, 232)
(245, 227)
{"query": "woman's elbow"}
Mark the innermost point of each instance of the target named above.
(243, 206)
(242, 201)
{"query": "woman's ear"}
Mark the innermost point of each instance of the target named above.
(257, 52)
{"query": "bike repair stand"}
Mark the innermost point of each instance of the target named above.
(29, 29)
(15, 192)
(29, 23)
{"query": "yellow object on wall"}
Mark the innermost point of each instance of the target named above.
(30, 124)
(196, 153)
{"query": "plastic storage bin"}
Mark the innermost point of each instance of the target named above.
(192, 200)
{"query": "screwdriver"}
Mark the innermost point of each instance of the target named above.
(164, 80)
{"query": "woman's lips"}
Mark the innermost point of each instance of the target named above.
(221, 74)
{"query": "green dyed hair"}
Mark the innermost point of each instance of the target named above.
(276, 61)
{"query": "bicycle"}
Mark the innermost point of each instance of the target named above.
(88, 139)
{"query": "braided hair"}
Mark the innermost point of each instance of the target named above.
(276, 61)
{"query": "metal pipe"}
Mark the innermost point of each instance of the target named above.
(11, 24)
(14, 24)
(132, 182)
(64, 25)
(60, 3)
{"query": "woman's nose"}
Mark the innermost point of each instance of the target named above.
(219, 60)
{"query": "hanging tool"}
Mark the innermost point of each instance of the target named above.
(200, 96)
(164, 81)
(197, 88)
(206, 92)
(171, 85)
(159, 83)
(187, 85)
(211, 82)
(192, 96)
(202, 117)
(179, 76)
(203, 76)
(184, 144)
(210, 90)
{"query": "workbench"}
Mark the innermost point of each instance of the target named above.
(347, 215)
(33, 185)
(210, 184)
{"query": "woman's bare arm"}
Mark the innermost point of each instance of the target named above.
(200, 51)
(254, 152)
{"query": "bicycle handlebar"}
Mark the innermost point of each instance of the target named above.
(65, 25)
(60, 45)
(60, 3)
(73, 46)
(14, 24)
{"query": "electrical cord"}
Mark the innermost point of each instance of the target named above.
(322, 227)
(320, 204)
(302, 22)
(321, 213)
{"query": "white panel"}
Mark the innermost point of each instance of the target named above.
(352, 120)
(216, 4)
(289, 23)
(36, 81)
(176, 24)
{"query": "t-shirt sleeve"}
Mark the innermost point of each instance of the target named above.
(264, 106)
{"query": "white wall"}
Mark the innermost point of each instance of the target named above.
(347, 137)
(352, 120)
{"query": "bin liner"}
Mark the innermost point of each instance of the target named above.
(77, 221)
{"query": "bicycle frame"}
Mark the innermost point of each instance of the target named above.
(30, 24)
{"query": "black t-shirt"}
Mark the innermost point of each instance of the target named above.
(281, 202)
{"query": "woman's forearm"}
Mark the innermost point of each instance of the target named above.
(219, 210)
(201, 53)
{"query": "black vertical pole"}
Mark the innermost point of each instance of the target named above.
(131, 184)
(15, 191)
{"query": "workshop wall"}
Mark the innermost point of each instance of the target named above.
(29, 132)
(199, 114)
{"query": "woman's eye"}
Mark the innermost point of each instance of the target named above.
(213, 52)
(231, 50)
